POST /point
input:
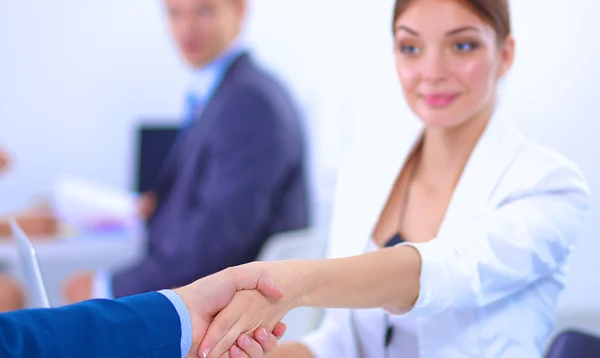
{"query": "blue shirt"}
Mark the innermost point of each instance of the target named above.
(184, 318)
(205, 82)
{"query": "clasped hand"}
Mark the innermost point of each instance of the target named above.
(236, 313)
(248, 312)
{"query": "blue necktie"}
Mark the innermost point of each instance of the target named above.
(193, 105)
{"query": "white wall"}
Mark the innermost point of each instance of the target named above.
(76, 75)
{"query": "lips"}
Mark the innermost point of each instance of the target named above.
(439, 100)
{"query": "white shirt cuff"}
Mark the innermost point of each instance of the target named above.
(436, 281)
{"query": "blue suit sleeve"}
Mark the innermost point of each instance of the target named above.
(145, 325)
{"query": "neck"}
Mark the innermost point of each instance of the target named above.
(445, 151)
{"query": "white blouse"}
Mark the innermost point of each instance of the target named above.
(491, 279)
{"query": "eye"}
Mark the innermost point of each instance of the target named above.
(409, 49)
(466, 46)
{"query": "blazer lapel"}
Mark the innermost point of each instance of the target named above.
(492, 156)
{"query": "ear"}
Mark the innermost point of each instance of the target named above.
(507, 55)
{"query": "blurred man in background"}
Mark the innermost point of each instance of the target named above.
(235, 175)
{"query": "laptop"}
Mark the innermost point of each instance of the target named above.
(154, 145)
(30, 265)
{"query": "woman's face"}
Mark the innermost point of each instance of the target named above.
(448, 61)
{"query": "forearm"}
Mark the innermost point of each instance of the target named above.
(4, 228)
(291, 350)
(387, 278)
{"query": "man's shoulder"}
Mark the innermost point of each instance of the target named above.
(249, 78)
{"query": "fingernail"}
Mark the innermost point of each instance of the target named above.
(274, 284)
(245, 341)
(205, 353)
(235, 351)
(262, 334)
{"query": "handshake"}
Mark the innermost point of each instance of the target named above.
(237, 312)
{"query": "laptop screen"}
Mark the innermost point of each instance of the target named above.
(154, 144)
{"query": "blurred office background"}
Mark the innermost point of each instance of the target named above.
(78, 77)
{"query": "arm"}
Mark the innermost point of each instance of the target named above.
(145, 325)
(495, 255)
(148, 325)
(502, 251)
(224, 227)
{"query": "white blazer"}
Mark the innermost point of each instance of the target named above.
(490, 280)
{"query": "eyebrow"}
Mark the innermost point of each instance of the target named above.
(449, 33)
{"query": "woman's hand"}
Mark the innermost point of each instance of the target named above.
(264, 342)
(248, 311)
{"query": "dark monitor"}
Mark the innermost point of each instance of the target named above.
(154, 143)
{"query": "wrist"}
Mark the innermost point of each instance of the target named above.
(294, 277)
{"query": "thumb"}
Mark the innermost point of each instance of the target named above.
(257, 279)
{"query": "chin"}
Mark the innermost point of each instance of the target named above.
(196, 60)
(442, 119)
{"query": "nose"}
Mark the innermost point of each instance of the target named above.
(433, 67)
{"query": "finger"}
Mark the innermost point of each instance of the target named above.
(237, 352)
(251, 347)
(228, 340)
(266, 339)
(222, 325)
(246, 278)
(279, 330)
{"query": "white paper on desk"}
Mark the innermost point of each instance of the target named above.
(83, 202)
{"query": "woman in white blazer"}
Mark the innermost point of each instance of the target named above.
(468, 224)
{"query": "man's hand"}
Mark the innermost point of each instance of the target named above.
(249, 310)
(36, 225)
(208, 296)
(146, 205)
(79, 287)
(5, 161)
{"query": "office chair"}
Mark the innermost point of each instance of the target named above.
(574, 344)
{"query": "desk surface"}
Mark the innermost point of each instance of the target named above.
(61, 257)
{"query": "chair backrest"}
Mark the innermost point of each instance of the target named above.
(305, 244)
(574, 344)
